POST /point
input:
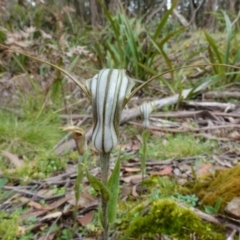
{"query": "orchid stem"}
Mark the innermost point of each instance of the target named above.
(104, 163)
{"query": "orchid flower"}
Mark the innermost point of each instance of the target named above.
(109, 90)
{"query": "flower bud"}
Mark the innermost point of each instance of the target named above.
(146, 109)
(79, 137)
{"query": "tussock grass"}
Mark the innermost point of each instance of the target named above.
(21, 135)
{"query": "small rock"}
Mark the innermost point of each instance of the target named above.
(233, 207)
(177, 172)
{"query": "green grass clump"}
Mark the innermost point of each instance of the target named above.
(32, 139)
(177, 146)
(22, 135)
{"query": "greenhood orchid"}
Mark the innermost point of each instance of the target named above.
(109, 90)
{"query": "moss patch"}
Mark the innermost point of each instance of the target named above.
(9, 227)
(168, 218)
(224, 184)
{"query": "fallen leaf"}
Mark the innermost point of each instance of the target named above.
(84, 200)
(231, 120)
(14, 159)
(204, 169)
(133, 178)
(33, 204)
(52, 216)
(86, 219)
(46, 192)
(33, 213)
(234, 135)
(127, 169)
(59, 202)
(134, 191)
(155, 133)
(126, 190)
(166, 171)
(136, 145)
(47, 237)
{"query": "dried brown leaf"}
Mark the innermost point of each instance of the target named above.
(127, 169)
(50, 236)
(204, 169)
(86, 219)
(52, 215)
(166, 171)
(14, 159)
(133, 178)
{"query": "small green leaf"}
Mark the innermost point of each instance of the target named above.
(98, 186)
(213, 44)
(209, 209)
(218, 204)
(3, 181)
(113, 186)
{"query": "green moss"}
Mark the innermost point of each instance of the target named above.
(9, 227)
(223, 184)
(166, 217)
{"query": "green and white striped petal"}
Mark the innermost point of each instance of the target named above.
(109, 89)
(146, 109)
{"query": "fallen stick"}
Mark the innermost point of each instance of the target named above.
(188, 114)
(212, 219)
(211, 95)
(187, 129)
(223, 106)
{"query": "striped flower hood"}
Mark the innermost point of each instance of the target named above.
(109, 90)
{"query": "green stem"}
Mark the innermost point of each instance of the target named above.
(104, 163)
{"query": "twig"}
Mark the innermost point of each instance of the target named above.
(153, 13)
(221, 95)
(159, 104)
(188, 129)
(188, 114)
(73, 116)
(212, 219)
(26, 192)
(223, 106)
(236, 19)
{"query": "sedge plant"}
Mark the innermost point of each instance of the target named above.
(108, 92)
(229, 53)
